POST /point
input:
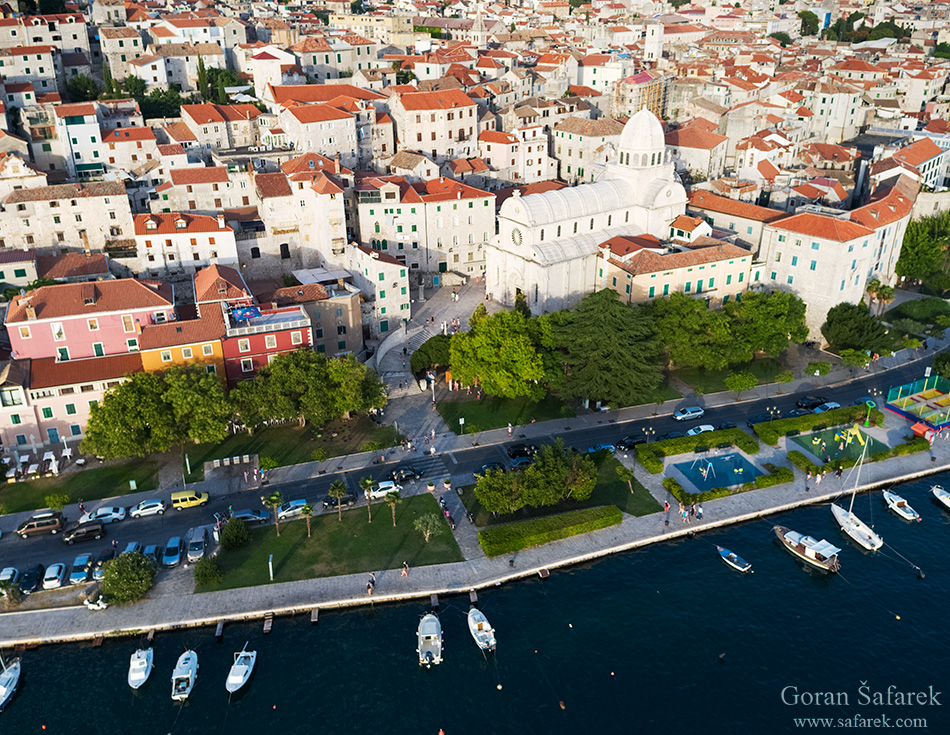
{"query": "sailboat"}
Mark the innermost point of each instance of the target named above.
(184, 676)
(857, 529)
(140, 666)
(481, 630)
(9, 678)
(241, 669)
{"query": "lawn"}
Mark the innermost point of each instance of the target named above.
(610, 490)
(925, 311)
(853, 450)
(339, 547)
(92, 483)
(290, 444)
(713, 381)
(494, 413)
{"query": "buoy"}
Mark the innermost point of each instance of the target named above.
(562, 704)
(570, 625)
(611, 673)
(898, 617)
(275, 706)
(499, 687)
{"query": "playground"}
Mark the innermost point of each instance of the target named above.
(840, 442)
(709, 471)
(926, 400)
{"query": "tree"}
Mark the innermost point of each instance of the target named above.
(521, 305)
(56, 501)
(108, 83)
(782, 37)
(697, 336)
(557, 474)
(677, 4)
(234, 535)
(202, 80)
(393, 499)
(626, 475)
(885, 296)
(433, 353)
(941, 364)
(82, 88)
(784, 377)
(850, 325)
(52, 7)
(366, 484)
(818, 368)
(942, 51)
(429, 525)
(499, 492)
(924, 247)
(200, 408)
(135, 87)
(307, 513)
(854, 358)
(610, 351)
(338, 491)
(498, 354)
(127, 578)
(871, 289)
(767, 322)
(221, 92)
(208, 571)
(273, 502)
(742, 381)
(132, 420)
(810, 23)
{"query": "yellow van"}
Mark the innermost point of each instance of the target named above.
(188, 499)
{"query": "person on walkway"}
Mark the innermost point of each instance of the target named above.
(699, 511)
(509, 428)
(666, 507)
(369, 589)
(405, 569)
(433, 435)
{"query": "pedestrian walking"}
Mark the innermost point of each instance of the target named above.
(818, 480)
(692, 509)
(115, 544)
(433, 435)
(699, 511)
(509, 428)
(666, 506)
(405, 569)
(369, 589)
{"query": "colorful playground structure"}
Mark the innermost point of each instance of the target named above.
(925, 401)
(845, 436)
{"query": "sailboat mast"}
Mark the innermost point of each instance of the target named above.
(857, 479)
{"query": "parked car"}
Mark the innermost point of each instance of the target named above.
(197, 543)
(517, 462)
(83, 531)
(31, 579)
(863, 402)
(106, 514)
(405, 472)
(171, 557)
(810, 402)
(345, 501)
(132, 547)
(251, 516)
(673, 435)
(382, 489)
(99, 568)
(290, 509)
(54, 577)
(188, 499)
(488, 467)
(760, 419)
(630, 441)
(725, 425)
(522, 450)
(153, 553)
(602, 447)
(796, 412)
(690, 413)
(701, 429)
(49, 521)
(150, 507)
(829, 406)
(82, 566)
(9, 576)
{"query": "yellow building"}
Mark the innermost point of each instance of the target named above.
(194, 338)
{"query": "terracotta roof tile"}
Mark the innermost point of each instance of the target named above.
(47, 372)
(219, 283)
(71, 299)
(206, 325)
(700, 199)
(826, 228)
(199, 175)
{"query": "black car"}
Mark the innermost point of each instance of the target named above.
(863, 401)
(32, 579)
(810, 402)
(760, 419)
(517, 462)
(485, 468)
(630, 441)
(83, 531)
(522, 450)
(344, 501)
(796, 412)
(99, 568)
(725, 425)
(405, 472)
(673, 435)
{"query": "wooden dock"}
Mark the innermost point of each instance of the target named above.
(434, 602)
(268, 622)
(472, 598)
(219, 631)
(315, 616)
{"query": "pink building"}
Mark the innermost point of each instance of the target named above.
(78, 320)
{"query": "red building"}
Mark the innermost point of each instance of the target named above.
(254, 335)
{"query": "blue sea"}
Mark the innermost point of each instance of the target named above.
(663, 640)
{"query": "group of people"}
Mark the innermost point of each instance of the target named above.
(694, 510)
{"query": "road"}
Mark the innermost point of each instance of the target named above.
(459, 464)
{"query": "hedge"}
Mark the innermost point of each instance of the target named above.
(802, 462)
(510, 537)
(771, 431)
(777, 476)
(651, 454)
(677, 491)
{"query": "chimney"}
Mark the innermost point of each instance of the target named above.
(221, 222)
(30, 312)
(339, 283)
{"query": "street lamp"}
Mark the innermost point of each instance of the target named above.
(774, 413)
(649, 432)
(872, 402)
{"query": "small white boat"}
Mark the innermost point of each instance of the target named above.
(819, 554)
(429, 635)
(734, 560)
(9, 678)
(900, 506)
(241, 669)
(941, 495)
(481, 630)
(184, 676)
(857, 529)
(140, 666)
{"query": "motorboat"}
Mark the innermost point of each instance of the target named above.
(734, 560)
(857, 529)
(184, 676)
(941, 495)
(819, 554)
(481, 630)
(429, 635)
(241, 669)
(140, 667)
(900, 506)
(9, 678)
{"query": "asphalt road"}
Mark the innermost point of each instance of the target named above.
(47, 550)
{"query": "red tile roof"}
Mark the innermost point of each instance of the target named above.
(700, 199)
(447, 99)
(207, 325)
(820, 226)
(219, 283)
(72, 299)
(71, 265)
(199, 175)
(694, 136)
(47, 372)
(167, 223)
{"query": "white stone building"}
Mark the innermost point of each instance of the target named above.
(177, 241)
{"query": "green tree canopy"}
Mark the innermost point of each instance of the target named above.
(611, 352)
(850, 326)
(768, 322)
(741, 382)
(696, 335)
(432, 353)
(132, 420)
(782, 37)
(199, 405)
(82, 88)
(924, 249)
(127, 578)
(810, 23)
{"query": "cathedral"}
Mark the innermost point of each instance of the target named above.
(547, 244)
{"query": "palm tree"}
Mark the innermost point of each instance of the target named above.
(872, 290)
(306, 512)
(392, 500)
(274, 501)
(338, 490)
(885, 295)
(366, 483)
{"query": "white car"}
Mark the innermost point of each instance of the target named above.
(690, 413)
(381, 489)
(829, 406)
(150, 507)
(290, 510)
(701, 429)
(55, 574)
(9, 576)
(106, 514)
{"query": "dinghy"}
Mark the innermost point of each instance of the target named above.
(184, 676)
(480, 629)
(734, 560)
(941, 495)
(900, 506)
(241, 669)
(140, 666)
(9, 678)
(429, 635)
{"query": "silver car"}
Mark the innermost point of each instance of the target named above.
(150, 507)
